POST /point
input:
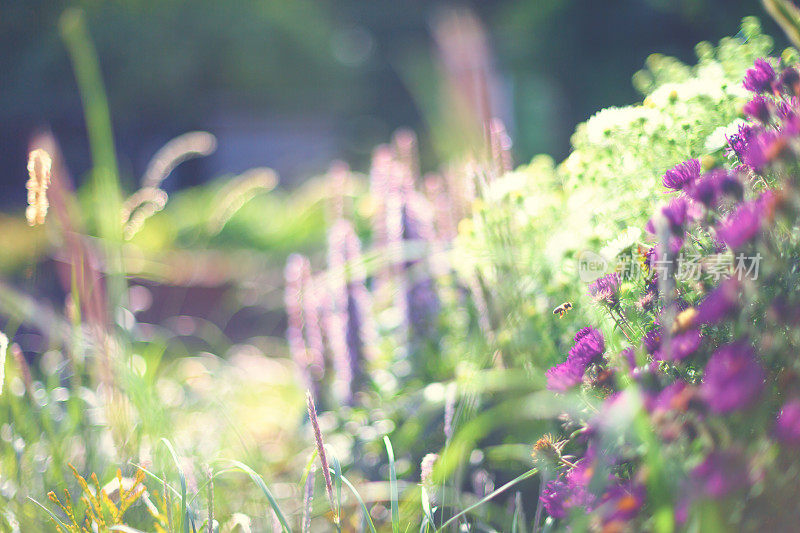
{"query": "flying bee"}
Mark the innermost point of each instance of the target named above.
(562, 309)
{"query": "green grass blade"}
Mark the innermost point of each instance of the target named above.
(307, 469)
(787, 15)
(184, 507)
(364, 510)
(52, 515)
(393, 486)
(426, 505)
(337, 475)
(515, 523)
(105, 171)
(3, 351)
(125, 529)
(259, 481)
(488, 497)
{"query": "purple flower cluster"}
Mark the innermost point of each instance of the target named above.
(774, 108)
(589, 348)
(718, 382)
(571, 490)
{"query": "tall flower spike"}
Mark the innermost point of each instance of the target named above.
(405, 147)
(348, 321)
(302, 329)
(39, 165)
(323, 457)
(422, 301)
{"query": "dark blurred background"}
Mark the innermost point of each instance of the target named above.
(295, 84)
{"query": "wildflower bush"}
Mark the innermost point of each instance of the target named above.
(606, 344)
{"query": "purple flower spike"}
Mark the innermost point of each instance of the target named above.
(787, 425)
(721, 473)
(759, 78)
(606, 289)
(733, 378)
(759, 108)
(682, 175)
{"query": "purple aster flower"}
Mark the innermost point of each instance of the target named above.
(682, 174)
(564, 376)
(759, 78)
(720, 303)
(787, 424)
(606, 289)
(759, 108)
(553, 497)
(743, 225)
(706, 188)
(720, 474)
(674, 398)
(738, 142)
(683, 345)
(731, 186)
(733, 378)
(678, 212)
(764, 147)
(589, 347)
(571, 490)
(583, 332)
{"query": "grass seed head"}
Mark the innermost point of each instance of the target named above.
(39, 166)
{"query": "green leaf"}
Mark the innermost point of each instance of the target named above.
(184, 507)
